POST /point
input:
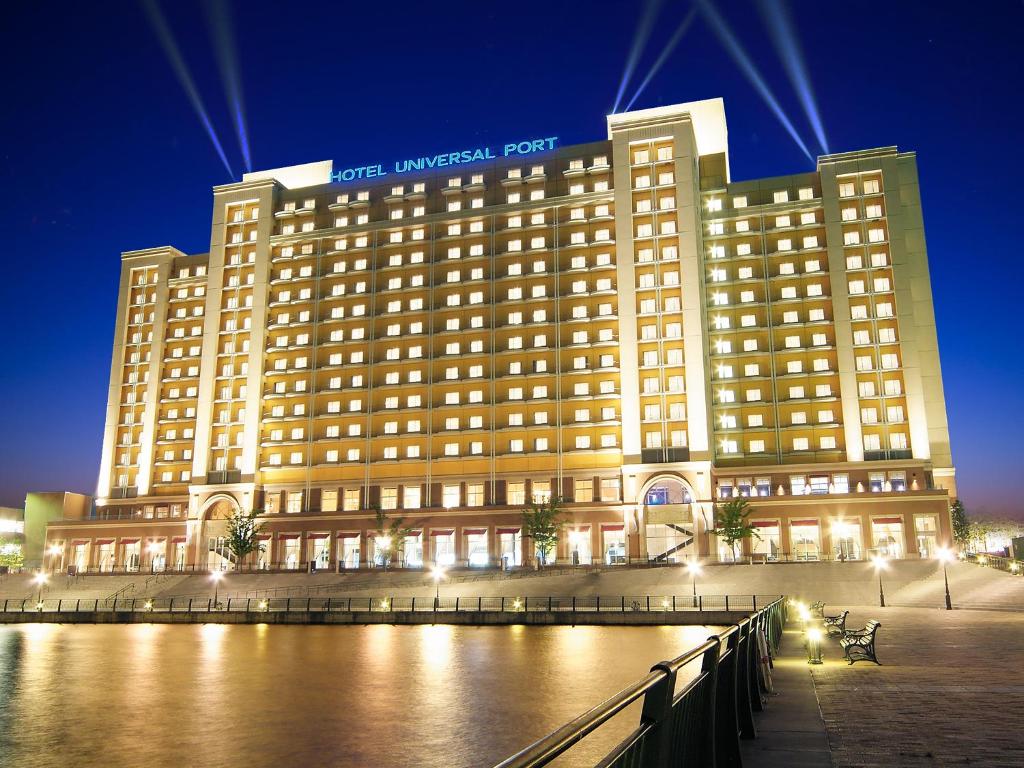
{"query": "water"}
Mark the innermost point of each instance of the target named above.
(281, 696)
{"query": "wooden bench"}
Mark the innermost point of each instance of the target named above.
(859, 644)
(836, 625)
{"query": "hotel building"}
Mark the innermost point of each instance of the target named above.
(619, 324)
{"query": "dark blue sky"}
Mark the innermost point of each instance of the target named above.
(102, 153)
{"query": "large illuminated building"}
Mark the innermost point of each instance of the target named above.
(618, 324)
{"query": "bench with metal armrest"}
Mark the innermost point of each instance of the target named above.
(859, 644)
(836, 625)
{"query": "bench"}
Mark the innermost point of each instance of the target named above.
(859, 644)
(818, 608)
(836, 625)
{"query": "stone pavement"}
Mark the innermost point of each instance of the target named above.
(790, 732)
(950, 691)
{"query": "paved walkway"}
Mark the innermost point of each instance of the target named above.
(790, 732)
(950, 691)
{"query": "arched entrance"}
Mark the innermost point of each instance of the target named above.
(212, 544)
(670, 528)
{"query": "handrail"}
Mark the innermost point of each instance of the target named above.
(557, 742)
(701, 725)
(578, 605)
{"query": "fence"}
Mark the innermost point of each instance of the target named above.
(1000, 563)
(700, 725)
(388, 604)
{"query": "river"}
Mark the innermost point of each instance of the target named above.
(282, 696)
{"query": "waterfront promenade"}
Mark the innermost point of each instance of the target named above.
(950, 692)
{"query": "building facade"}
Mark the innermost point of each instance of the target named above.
(617, 324)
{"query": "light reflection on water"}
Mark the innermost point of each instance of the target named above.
(258, 695)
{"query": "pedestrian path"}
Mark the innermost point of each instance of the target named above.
(790, 732)
(950, 691)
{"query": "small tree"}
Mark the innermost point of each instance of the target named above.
(731, 524)
(11, 555)
(961, 525)
(391, 533)
(242, 537)
(542, 524)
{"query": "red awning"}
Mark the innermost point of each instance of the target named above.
(319, 535)
(284, 536)
(181, 539)
(448, 532)
(896, 520)
(104, 541)
(474, 530)
(509, 530)
(129, 541)
(612, 527)
(347, 534)
(765, 523)
(803, 522)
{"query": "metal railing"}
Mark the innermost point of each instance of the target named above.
(388, 604)
(1000, 563)
(700, 725)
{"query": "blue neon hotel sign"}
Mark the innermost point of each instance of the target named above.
(446, 159)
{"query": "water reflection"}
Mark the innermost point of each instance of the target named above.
(376, 695)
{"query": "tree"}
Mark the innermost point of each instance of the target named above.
(242, 537)
(961, 525)
(731, 524)
(11, 555)
(391, 533)
(542, 524)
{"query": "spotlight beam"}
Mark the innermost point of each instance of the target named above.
(780, 26)
(663, 56)
(732, 45)
(218, 16)
(643, 31)
(163, 34)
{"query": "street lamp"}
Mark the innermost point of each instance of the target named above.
(880, 565)
(437, 572)
(216, 576)
(40, 581)
(945, 555)
(694, 569)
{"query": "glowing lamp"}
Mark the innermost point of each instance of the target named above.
(814, 645)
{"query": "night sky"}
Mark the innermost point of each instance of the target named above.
(102, 152)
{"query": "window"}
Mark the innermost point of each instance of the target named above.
(610, 489)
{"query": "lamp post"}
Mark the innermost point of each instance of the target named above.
(814, 646)
(216, 576)
(945, 555)
(879, 563)
(694, 569)
(437, 572)
(40, 580)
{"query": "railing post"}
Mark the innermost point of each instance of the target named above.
(549, 603)
(727, 731)
(78, 602)
(574, 603)
(727, 603)
(744, 697)
(502, 603)
(59, 604)
(657, 710)
(456, 605)
(700, 602)
(190, 605)
(307, 604)
(96, 605)
(479, 604)
(288, 605)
